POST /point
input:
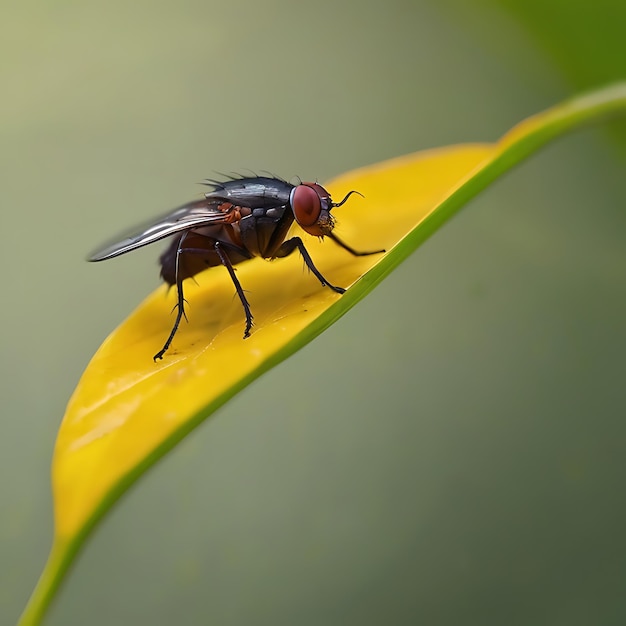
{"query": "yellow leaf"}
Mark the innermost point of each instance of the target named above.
(126, 406)
(127, 411)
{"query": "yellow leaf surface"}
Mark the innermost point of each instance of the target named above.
(127, 409)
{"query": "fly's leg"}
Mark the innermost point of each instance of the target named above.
(352, 251)
(296, 243)
(242, 296)
(180, 313)
(180, 304)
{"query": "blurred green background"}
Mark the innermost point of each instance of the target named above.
(450, 452)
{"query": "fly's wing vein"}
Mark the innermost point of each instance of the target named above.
(186, 217)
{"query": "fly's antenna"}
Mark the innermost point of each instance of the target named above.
(336, 204)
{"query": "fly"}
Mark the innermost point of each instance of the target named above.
(237, 220)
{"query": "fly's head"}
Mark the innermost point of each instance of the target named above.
(311, 205)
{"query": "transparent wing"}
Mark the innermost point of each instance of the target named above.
(191, 215)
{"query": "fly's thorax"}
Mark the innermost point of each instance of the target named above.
(256, 193)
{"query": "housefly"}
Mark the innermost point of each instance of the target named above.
(237, 220)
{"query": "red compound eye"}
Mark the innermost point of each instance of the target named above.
(322, 193)
(306, 206)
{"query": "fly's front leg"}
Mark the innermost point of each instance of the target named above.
(351, 250)
(296, 243)
(242, 296)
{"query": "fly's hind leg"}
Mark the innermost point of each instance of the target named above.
(179, 306)
(296, 243)
(242, 296)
